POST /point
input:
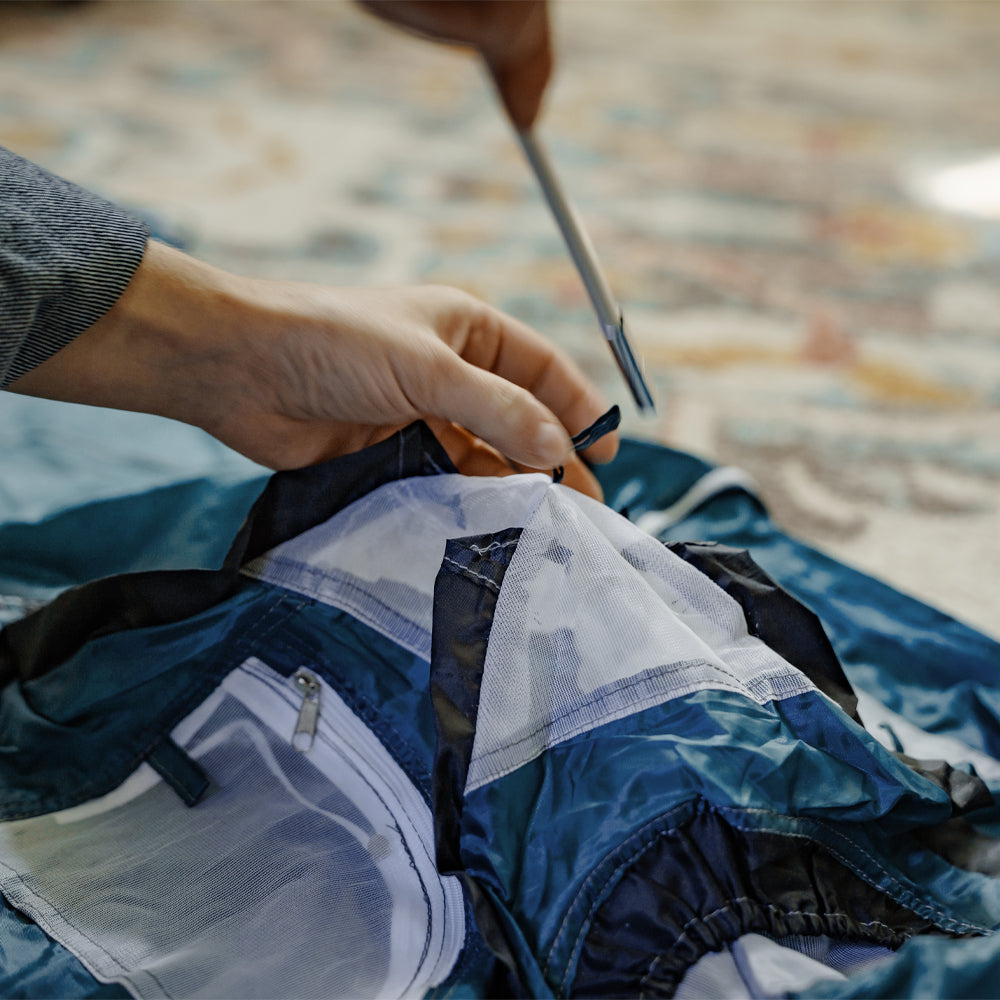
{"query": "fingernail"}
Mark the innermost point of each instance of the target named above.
(552, 444)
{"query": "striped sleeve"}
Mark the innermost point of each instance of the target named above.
(66, 256)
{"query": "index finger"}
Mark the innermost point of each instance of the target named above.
(509, 348)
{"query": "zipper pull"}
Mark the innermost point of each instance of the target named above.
(305, 727)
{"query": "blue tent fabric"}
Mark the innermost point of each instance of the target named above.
(611, 860)
(923, 663)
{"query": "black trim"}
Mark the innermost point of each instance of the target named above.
(774, 616)
(796, 634)
(292, 502)
(179, 770)
(465, 597)
(604, 424)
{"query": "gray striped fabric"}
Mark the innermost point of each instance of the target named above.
(66, 256)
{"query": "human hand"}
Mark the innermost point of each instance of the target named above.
(290, 374)
(511, 35)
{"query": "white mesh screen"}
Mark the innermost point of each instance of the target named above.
(378, 558)
(299, 875)
(596, 621)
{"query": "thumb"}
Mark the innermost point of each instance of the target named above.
(503, 414)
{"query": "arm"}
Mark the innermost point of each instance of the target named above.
(290, 374)
(66, 255)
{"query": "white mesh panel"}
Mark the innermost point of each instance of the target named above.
(378, 558)
(596, 621)
(299, 875)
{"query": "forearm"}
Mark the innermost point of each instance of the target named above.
(151, 349)
(66, 255)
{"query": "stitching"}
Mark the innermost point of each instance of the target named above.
(492, 584)
(589, 915)
(686, 928)
(493, 546)
(341, 593)
(400, 806)
(325, 735)
(596, 874)
(814, 918)
(898, 891)
(44, 921)
(623, 687)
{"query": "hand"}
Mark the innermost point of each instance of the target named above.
(511, 35)
(290, 374)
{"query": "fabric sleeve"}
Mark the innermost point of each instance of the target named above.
(66, 256)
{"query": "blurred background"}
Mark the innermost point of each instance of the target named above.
(797, 203)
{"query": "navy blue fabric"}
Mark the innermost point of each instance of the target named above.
(32, 965)
(128, 677)
(76, 733)
(291, 503)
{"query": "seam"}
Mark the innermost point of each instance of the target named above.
(45, 923)
(44, 920)
(626, 685)
(481, 550)
(339, 591)
(395, 808)
(898, 891)
(465, 571)
(817, 919)
(596, 874)
(400, 808)
(132, 759)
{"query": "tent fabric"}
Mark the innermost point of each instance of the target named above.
(629, 755)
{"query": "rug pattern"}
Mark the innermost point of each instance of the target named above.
(767, 183)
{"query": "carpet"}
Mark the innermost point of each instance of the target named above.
(793, 202)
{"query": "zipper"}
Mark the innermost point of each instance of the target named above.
(305, 726)
(340, 728)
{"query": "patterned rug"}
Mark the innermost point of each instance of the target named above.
(794, 202)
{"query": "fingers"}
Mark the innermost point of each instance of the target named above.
(580, 478)
(474, 457)
(499, 412)
(500, 344)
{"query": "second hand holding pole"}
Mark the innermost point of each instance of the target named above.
(582, 251)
